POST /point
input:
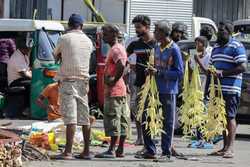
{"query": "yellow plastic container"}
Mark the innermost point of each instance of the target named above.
(51, 136)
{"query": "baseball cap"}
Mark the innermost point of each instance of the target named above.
(76, 19)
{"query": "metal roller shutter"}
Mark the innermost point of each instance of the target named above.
(172, 10)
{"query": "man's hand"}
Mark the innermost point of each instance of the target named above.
(196, 58)
(150, 71)
(218, 73)
(128, 89)
(108, 80)
(50, 108)
(26, 74)
(199, 62)
(58, 58)
(170, 61)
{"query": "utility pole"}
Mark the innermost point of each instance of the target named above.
(93, 15)
(62, 9)
(1, 8)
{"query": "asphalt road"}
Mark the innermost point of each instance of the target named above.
(196, 157)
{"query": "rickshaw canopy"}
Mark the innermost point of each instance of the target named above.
(29, 25)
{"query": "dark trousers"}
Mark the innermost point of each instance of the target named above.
(23, 82)
(3, 77)
(169, 109)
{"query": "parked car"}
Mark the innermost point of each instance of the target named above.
(242, 29)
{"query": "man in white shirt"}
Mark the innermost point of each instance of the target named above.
(74, 50)
(19, 73)
(18, 66)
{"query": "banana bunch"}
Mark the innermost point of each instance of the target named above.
(149, 95)
(192, 109)
(216, 121)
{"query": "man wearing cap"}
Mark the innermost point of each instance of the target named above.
(179, 31)
(168, 71)
(73, 51)
(229, 58)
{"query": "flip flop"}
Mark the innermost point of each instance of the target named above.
(140, 152)
(145, 156)
(183, 157)
(84, 157)
(105, 155)
(119, 154)
(228, 155)
(177, 154)
(164, 158)
(217, 153)
(63, 157)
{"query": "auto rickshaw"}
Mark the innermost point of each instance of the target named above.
(43, 36)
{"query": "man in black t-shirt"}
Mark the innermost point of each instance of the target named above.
(141, 48)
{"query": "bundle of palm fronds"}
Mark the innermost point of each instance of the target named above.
(216, 121)
(192, 109)
(149, 102)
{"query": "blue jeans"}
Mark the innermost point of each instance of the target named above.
(169, 109)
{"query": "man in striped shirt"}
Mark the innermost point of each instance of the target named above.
(229, 58)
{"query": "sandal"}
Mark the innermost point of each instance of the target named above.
(176, 153)
(106, 154)
(217, 153)
(119, 154)
(228, 154)
(84, 157)
(145, 156)
(140, 152)
(63, 157)
(164, 158)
